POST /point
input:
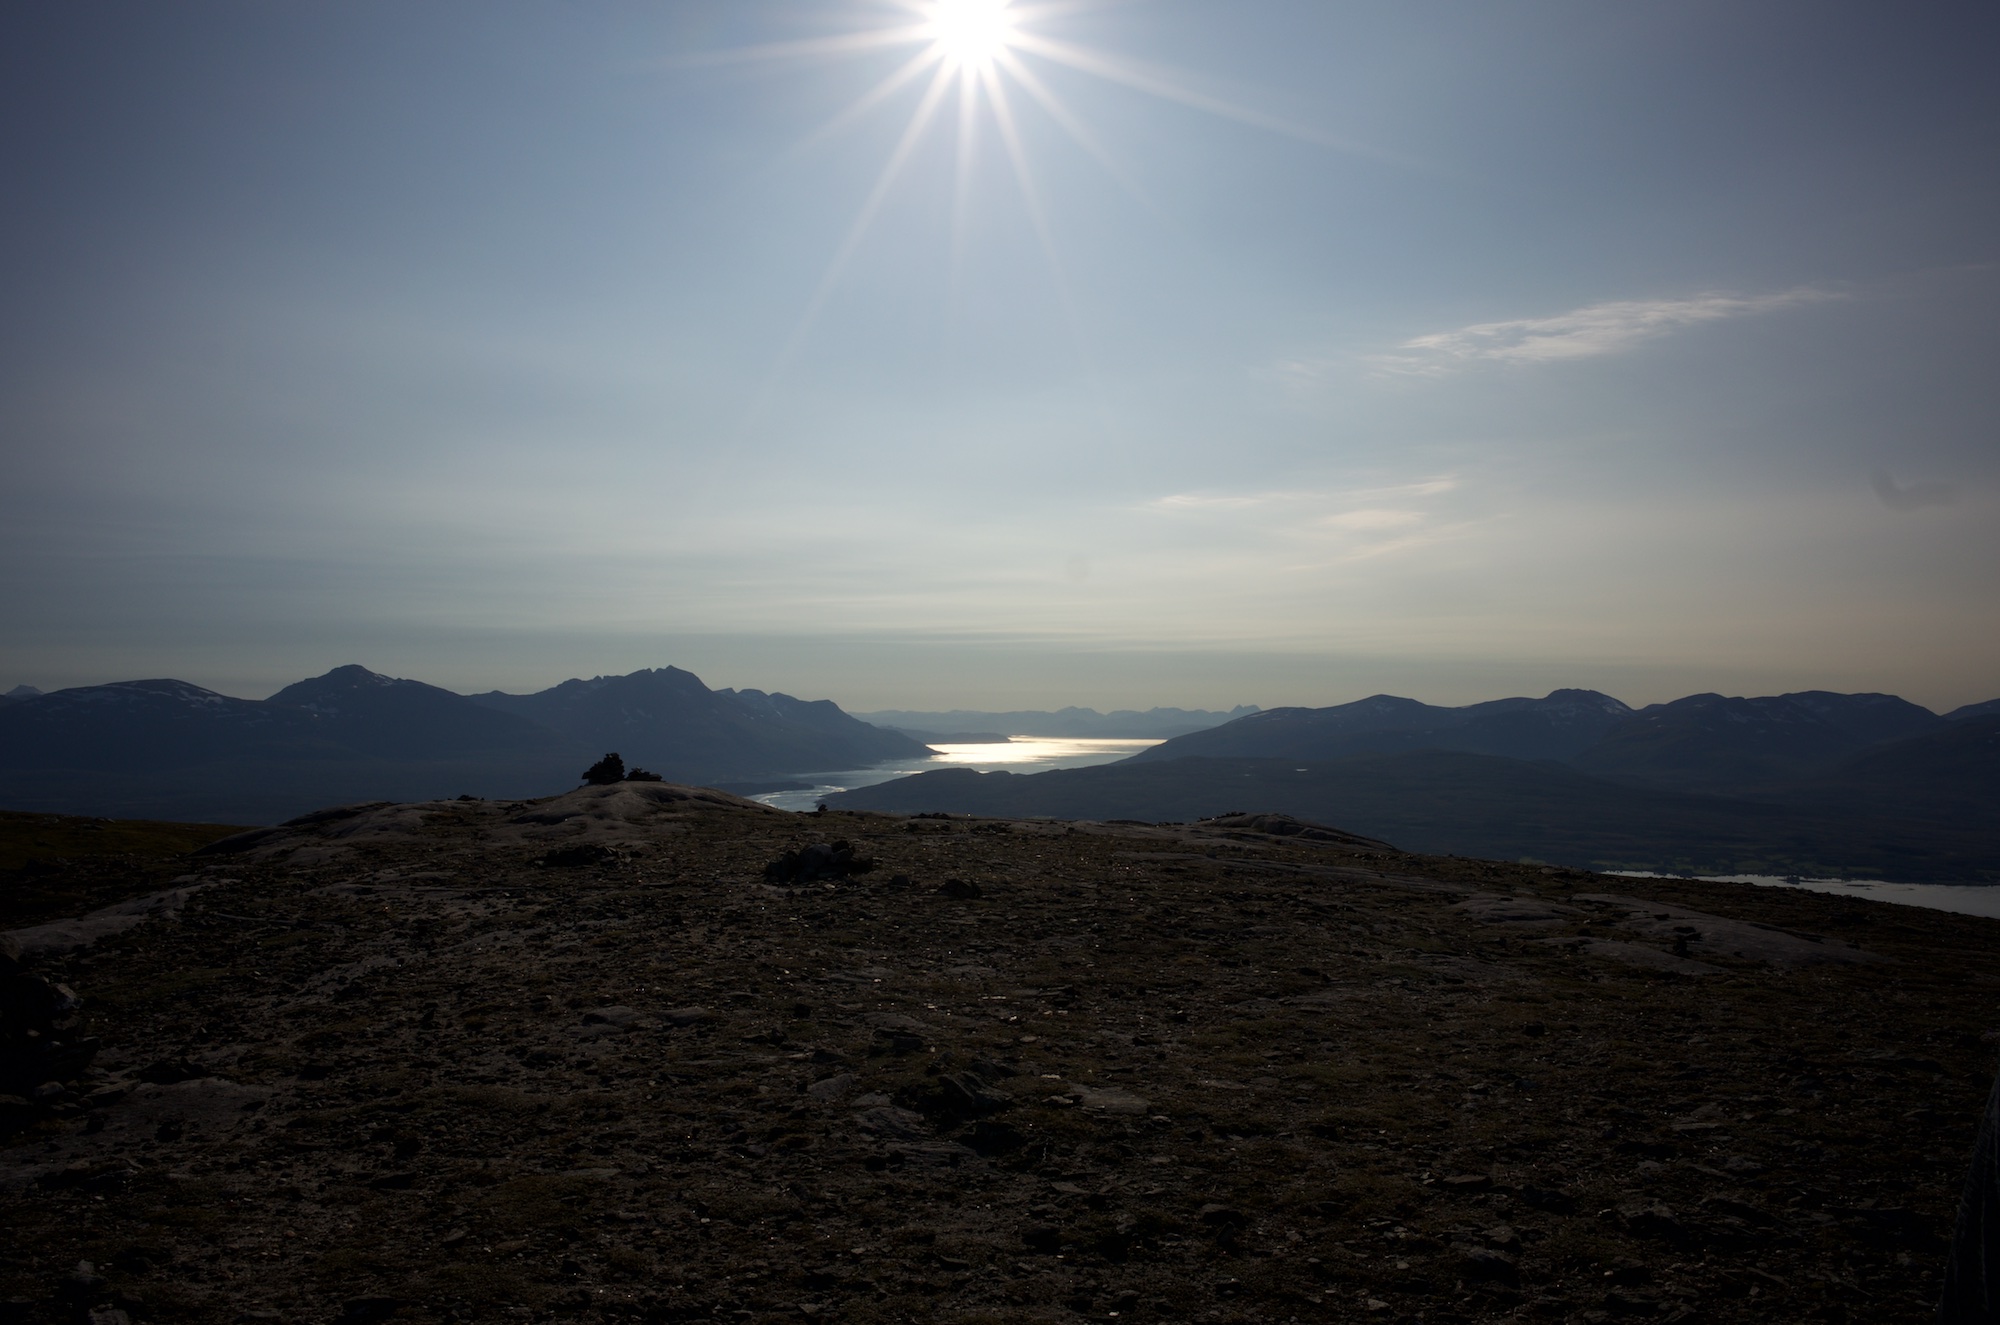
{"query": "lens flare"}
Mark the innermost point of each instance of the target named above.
(971, 33)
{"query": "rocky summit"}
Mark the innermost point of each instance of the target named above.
(644, 1052)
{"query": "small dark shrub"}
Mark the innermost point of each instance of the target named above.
(605, 771)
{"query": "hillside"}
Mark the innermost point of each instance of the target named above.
(1477, 805)
(169, 750)
(1950, 775)
(387, 718)
(1805, 783)
(1555, 727)
(625, 1054)
(1809, 782)
(166, 749)
(667, 720)
(53, 864)
(1703, 743)
(1719, 743)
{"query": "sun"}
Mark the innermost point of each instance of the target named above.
(983, 57)
(970, 33)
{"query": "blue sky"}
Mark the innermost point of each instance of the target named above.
(1454, 350)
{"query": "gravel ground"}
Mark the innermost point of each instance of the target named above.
(584, 1059)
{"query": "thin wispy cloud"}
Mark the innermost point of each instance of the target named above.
(1312, 530)
(1582, 333)
(1911, 496)
(1349, 499)
(1370, 519)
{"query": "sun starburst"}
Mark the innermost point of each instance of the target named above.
(984, 51)
(971, 33)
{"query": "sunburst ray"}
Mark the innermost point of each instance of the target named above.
(1079, 133)
(981, 46)
(1160, 83)
(912, 134)
(904, 75)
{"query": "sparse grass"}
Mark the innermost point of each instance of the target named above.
(1351, 1101)
(27, 839)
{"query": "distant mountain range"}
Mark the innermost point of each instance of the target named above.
(1812, 782)
(1152, 724)
(167, 749)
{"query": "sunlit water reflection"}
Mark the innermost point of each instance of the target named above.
(1970, 899)
(1021, 754)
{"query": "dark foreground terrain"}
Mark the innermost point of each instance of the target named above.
(582, 1059)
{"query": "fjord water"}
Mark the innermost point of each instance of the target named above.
(1967, 899)
(1021, 754)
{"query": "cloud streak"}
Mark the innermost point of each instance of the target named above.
(1193, 502)
(1582, 333)
(1307, 530)
(1911, 496)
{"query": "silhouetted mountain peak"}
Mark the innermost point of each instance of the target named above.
(1554, 727)
(356, 676)
(1595, 701)
(1984, 710)
(1715, 741)
(1863, 713)
(667, 719)
(158, 695)
(1382, 705)
(324, 694)
(354, 734)
(388, 717)
(667, 681)
(1829, 703)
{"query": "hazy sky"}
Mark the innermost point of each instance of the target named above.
(1455, 350)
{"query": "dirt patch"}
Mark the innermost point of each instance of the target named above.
(387, 1064)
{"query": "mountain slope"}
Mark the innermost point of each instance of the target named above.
(1948, 775)
(144, 726)
(387, 718)
(667, 720)
(1720, 743)
(1467, 804)
(1557, 726)
(147, 726)
(166, 749)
